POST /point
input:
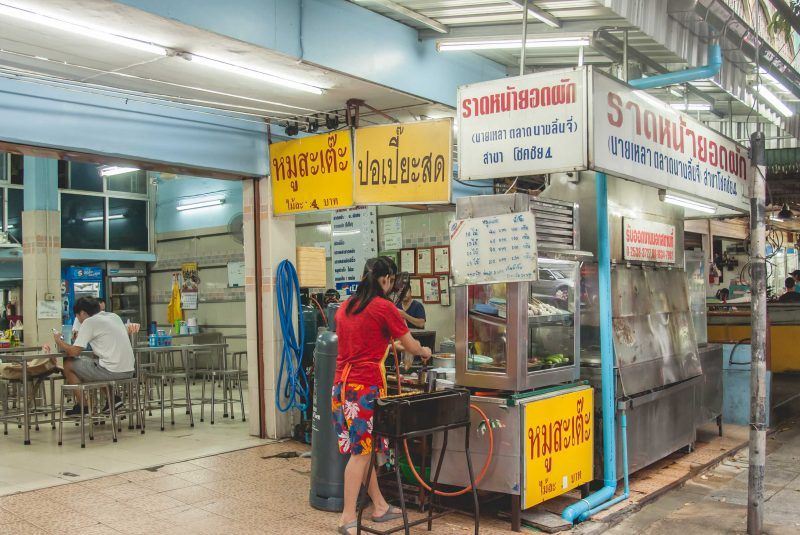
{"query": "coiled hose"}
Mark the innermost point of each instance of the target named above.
(292, 379)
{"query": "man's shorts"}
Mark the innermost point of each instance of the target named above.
(89, 370)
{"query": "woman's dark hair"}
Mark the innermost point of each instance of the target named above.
(370, 287)
(90, 305)
(392, 263)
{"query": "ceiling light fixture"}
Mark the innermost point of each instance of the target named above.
(686, 203)
(785, 214)
(44, 20)
(332, 121)
(199, 203)
(768, 77)
(774, 101)
(113, 170)
(676, 92)
(253, 73)
(512, 43)
(682, 106)
(291, 129)
(100, 218)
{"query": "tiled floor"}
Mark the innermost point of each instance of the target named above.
(44, 463)
(240, 492)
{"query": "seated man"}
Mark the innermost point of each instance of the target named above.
(790, 296)
(110, 343)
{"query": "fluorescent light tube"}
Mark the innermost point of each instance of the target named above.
(100, 218)
(675, 92)
(199, 204)
(773, 99)
(113, 170)
(84, 31)
(252, 73)
(687, 203)
(511, 43)
(691, 106)
(767, 76)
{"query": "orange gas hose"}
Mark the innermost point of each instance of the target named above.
(408, 455)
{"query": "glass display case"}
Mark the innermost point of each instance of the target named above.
(522, 335)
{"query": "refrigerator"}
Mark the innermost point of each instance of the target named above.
(77, 282)
(126, 291)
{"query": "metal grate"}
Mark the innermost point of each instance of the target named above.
(556, 224)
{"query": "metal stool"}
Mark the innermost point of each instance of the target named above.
(227, 377)
(162, 378)
(88, 393)
(129, 392)
(236, 363)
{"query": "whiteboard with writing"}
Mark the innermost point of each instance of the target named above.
(500, 248)
(354, 240)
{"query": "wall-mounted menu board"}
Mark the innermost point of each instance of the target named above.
(500, 248)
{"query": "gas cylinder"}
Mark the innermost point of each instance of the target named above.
(310, 330)
(327, 464)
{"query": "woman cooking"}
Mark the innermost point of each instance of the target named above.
(366, 325)
(412, 311)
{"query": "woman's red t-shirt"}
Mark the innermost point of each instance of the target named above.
(363, 339)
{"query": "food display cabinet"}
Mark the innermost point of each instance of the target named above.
(516, 336)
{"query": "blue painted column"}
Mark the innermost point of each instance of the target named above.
(41, 183)
(41, 249)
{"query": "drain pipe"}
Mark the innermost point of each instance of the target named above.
(626, 490)
(602, 496)
(679, 77)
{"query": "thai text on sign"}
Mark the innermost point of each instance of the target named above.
(648, 241)
(406, 163)
(499, 248)
(638, 137)
(530, 124)
(559, 447)
(312, 173)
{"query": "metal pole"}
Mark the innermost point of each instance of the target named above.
(625, 55)
(758, 339)
(524, 37)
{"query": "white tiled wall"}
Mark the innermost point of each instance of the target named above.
(420, 229)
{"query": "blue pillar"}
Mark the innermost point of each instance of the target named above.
(41, 184)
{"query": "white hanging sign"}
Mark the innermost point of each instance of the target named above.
(532, 124)
(499, 248)
(638, 137)
(648, 241)
(354, 240)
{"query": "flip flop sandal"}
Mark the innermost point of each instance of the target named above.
(344, 529)
(391, 514)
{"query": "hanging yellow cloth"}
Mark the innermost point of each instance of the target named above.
(174, 311)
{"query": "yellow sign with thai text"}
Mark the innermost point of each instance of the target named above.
(312, 173)
(559, 444)
(404, 163)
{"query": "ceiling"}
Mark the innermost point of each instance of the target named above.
(446, 19)
(41, 54)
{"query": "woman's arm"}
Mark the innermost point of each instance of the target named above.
(411, 345)
(419, 323)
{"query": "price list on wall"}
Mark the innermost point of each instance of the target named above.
(499, 248)
(354, 240)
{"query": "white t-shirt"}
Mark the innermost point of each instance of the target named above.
(109, 340)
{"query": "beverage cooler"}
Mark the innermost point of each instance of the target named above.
(126, 294)
(77, 282)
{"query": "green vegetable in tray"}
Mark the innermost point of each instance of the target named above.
(557, 358)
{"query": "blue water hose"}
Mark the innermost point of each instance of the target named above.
(292, 380)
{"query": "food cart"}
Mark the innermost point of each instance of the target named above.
(637, 168)
(518, 347)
